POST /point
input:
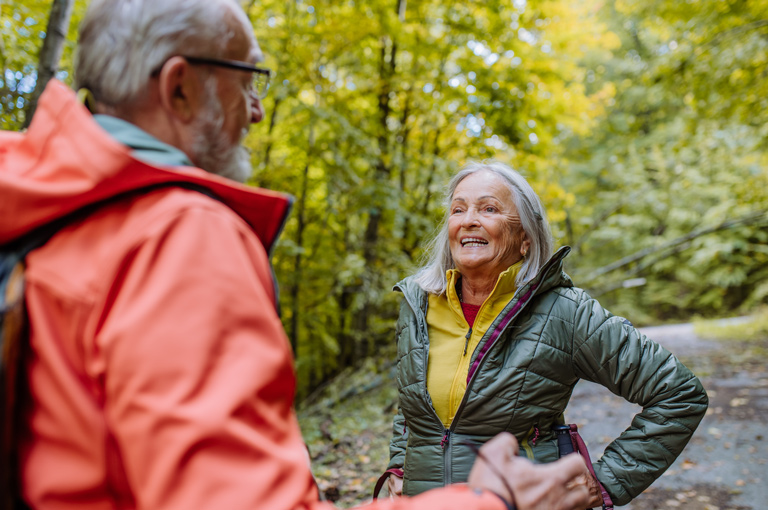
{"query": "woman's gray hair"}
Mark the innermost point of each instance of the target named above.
(123, 41)
(431, 276)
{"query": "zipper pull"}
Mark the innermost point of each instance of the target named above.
(466, 343)
(445, 439)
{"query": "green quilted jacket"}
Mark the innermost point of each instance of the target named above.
(521, 376)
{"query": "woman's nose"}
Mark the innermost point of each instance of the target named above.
(470, 218)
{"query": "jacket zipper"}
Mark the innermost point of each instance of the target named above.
(474, 376)
(466, 343)
(447, 462)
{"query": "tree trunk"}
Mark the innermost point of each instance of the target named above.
(301, 218)
(270, 135)
(382, 174)
(50, 53)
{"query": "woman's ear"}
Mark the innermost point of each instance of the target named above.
(180, 89)
(525, 245)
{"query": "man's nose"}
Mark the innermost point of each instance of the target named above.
(256, 107)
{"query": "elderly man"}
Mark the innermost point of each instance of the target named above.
(159, 373)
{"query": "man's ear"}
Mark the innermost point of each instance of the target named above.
(180, 89)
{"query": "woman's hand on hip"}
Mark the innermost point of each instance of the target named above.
(394, 486)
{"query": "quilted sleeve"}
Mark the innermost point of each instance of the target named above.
(609, 351)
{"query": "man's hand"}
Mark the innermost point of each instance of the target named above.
(556, 486)
(592, 486)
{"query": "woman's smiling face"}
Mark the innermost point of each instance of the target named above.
(484, 228)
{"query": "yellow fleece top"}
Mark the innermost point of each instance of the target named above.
(448, 364)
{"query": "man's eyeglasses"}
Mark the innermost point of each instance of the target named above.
(260, 76)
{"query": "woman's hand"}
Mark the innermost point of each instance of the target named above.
(394, 486)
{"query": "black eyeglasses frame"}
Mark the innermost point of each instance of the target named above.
(229, 64)
(239, 66)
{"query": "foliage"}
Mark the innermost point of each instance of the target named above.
(681, 149)
(642, 125)
(367, 126)
(21, 37)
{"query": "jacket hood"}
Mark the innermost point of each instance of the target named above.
(65, 161)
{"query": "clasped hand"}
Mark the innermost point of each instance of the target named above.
(562, 485)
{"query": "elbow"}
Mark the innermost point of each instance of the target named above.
(685, 402)
(695, 402)
(687, 394)
(703, 398)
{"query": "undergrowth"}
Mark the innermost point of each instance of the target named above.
(745, 329)
(347, 426)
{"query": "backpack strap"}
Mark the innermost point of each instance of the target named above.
(12, 392)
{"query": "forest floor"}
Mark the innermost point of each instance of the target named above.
(724, 467)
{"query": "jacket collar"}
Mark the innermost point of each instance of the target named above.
(145, 147)
(549, 276)
(551, 273)
(505, 284)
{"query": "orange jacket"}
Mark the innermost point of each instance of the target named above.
(160, 373)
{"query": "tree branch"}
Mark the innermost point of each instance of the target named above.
(623, 262)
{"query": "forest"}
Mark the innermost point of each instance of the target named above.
(642, 124)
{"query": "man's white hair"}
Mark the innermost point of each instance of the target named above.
(431, 276)
(123, 41)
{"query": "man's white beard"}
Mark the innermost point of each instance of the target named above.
(213, 151)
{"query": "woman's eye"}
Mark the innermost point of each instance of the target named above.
(490, 209)
(456, 211)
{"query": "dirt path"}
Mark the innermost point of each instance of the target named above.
(725, 466)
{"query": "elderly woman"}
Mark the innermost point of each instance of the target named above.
(493, 336)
